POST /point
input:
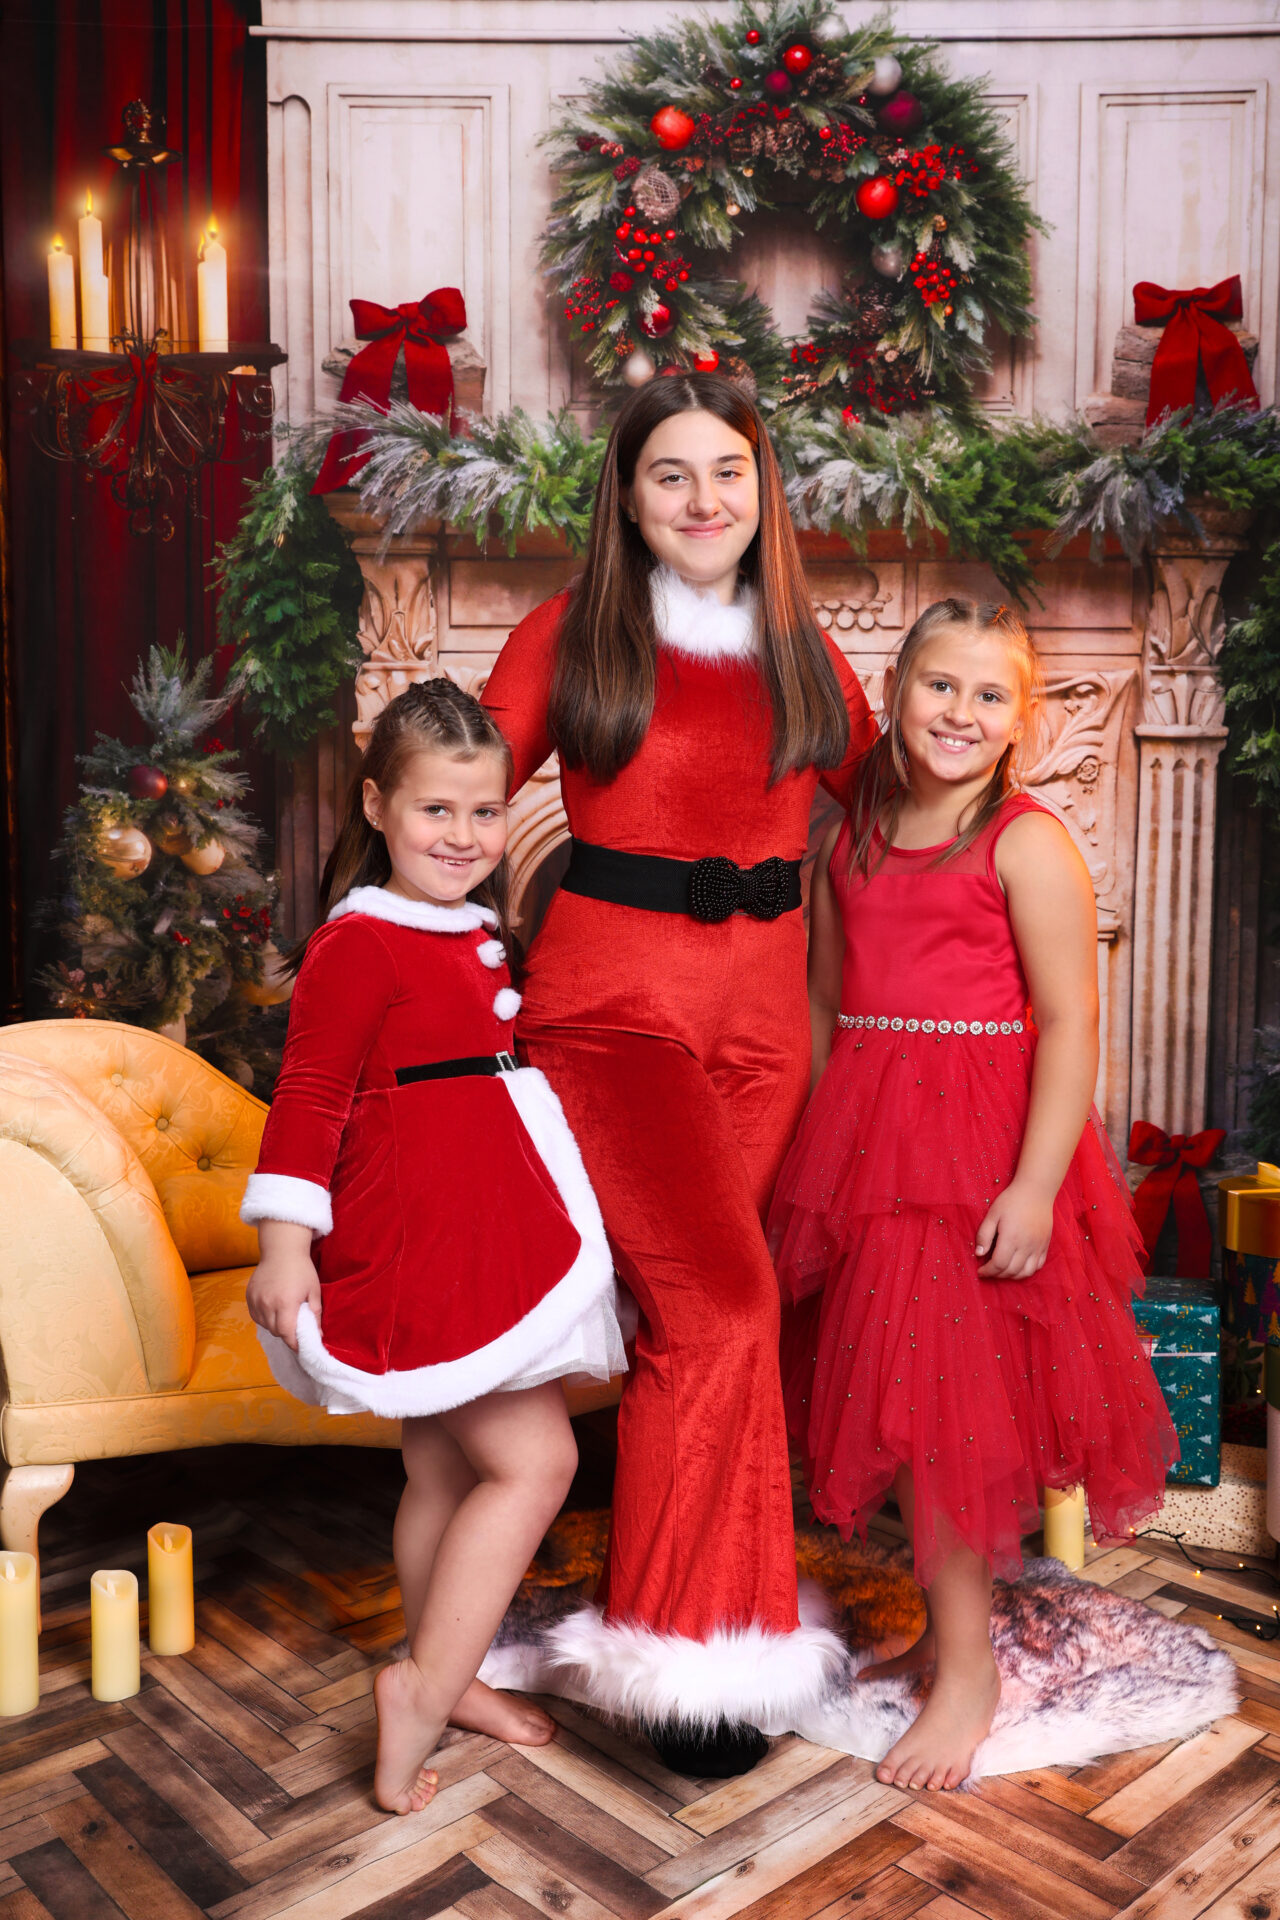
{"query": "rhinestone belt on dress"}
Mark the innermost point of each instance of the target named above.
(884, 1024)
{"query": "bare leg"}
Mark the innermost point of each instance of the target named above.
(521, 1450)
(922, 1652)
(937, 1750)
(438, 1479)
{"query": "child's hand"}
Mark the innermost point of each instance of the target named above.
(1015, 1235)
(283, 1281)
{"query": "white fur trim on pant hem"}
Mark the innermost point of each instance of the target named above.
(316, 1375)
(283, 1196)
(770, 1680)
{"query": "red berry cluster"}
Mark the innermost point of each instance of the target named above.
(625, 168)
(254, 924)
(181, 938)
(925, 171)
(934, 280)
(586, 301)
(809, 354)
(843, 139)
(214, 745)
(670, 273)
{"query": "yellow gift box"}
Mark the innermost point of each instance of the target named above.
(1249, 1211)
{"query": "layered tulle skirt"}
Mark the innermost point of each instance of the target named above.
(896, 1353)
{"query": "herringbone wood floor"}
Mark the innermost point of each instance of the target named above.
(237, 1782)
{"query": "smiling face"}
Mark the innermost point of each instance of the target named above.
(444, 822)
(960, 706)
(695, 498)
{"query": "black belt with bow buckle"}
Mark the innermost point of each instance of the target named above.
(708, 890)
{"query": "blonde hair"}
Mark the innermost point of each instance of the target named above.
(885, 775)
(435, 715)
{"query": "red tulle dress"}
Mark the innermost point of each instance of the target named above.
(897, 1352)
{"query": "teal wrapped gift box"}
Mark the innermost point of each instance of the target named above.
(1180, 1323)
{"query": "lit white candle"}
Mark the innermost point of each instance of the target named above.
(95, 326)
(62, 297)
(1064, 1526)
(211, 293)
(170, 1589)
(19, 1633)
(115, 1653)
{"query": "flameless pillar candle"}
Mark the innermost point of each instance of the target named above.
(113, 1618)
(62, 297)
(19, 1633)
(1064, 1526)
(171, 1607)
(211, 294)
(95, 325)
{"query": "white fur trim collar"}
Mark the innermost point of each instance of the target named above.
(699, 624)
(414, 913)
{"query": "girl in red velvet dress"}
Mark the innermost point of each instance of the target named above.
(951, 1217)
(431, 1249)
(695, 705)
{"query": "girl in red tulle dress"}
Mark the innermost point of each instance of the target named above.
(951, 1225)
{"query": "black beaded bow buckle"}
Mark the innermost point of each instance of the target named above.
(718, 887)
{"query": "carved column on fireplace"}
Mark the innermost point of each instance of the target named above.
(1180, 739)
(398, 631)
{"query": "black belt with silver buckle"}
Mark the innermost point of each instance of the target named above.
(708, 890)
(460, 1069)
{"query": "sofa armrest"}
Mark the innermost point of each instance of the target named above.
(95, 1301)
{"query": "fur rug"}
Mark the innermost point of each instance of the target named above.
(1084, 1671)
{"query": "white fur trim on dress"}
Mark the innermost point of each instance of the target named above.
(491, 952)
(770, 1680)
(414, 913)
(506, 1003)
(283, 1196)
(578, 1318)
(699, 623)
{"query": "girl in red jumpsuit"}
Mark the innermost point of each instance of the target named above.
(695, 705)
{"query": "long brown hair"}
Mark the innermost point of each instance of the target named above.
(885, 775)
(432, 714)
(603, 690)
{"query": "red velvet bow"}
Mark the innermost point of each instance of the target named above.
(1172, 1159)
(419, 327)
(1194, 334)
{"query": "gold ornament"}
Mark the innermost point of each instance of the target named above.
(170, 836)
(656, 196)
(206, 859)
(939, 224)
(732, 209)
(275, 986)
(124, 851)
(183, 784)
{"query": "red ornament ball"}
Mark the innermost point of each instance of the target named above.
(797, 59)
(671, 128)
(901, 114)
(753, 37)
(877, 198)
(777, 83)
(660, 321)
(735, 84)
(707, 362)
(148, 783)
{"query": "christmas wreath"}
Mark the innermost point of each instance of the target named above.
(699, 126)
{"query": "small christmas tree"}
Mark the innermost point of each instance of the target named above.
(167, 919)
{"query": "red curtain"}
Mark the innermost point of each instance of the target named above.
(89, 597)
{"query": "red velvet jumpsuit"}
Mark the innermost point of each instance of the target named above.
(680, 1052)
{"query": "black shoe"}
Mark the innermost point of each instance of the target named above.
(721, 1752)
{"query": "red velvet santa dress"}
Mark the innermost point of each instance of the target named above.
(680, 1049)
(458, 1243)
(989, 1390)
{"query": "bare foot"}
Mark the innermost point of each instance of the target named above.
(408, 1731)
(503, 1716)
(918, 1655)
(937, 1750)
